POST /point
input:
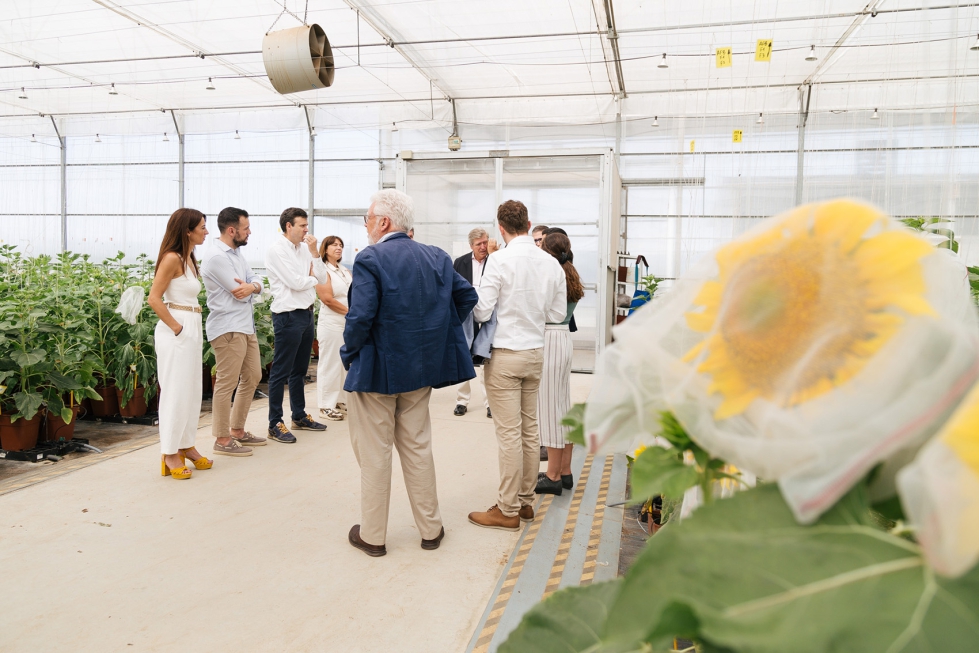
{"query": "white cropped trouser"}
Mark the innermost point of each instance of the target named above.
(179, 359)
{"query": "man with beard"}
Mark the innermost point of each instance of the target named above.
(403, 336)
(232, 288)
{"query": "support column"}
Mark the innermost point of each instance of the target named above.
(180, 161)
(63, 142)
(805, 93)
(64, 194)
(312, 169)
(312, 176)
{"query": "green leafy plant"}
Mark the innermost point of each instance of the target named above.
(134, 357)
(264, 331)
(742, 575)
(937, 226)
(664, 471)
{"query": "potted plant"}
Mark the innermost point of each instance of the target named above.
(27, 373)
(135, 353)
(104, 283)
(71, 350)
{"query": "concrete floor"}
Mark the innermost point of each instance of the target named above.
(252, 555)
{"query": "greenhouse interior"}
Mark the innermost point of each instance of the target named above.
(727, 402)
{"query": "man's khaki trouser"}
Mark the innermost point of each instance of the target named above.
(239, 365)
(376, 423)
(512, 378)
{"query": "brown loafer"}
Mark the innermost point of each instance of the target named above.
(526, 513)
(429, 545)
(494, 518)
(369, 549)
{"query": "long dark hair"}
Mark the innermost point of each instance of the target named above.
(558, 246)
(329, 240)
(177, 238)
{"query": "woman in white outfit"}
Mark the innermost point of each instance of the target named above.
(329, 330)
(554, 393)
(178, 341)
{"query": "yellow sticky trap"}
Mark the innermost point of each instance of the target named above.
(691, 145)
(763, 51)
(723, 57)
(736, 136)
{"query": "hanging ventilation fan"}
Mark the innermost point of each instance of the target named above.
(298, 59)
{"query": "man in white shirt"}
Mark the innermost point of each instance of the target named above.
(294, 270)
(470, 266)
(527, 287)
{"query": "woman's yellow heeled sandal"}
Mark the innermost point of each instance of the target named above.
(200, 463)
(178, 473)
(203, 463)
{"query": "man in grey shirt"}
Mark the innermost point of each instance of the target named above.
(232, 288)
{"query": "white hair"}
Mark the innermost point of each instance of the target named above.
(396, 207)
(476, 234)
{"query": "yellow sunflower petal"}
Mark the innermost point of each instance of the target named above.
(961, 433)
(845, 222)
(701, 321)
(890, 253)
(694, 351)
(710, 294)
(736, 405)
(913, 304)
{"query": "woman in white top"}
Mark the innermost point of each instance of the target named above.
(329, 330)
(178, 338)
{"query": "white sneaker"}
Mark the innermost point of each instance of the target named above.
(332, 415)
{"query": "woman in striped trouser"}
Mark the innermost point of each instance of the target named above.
(554, 394)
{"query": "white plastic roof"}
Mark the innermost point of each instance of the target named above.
(505, 62)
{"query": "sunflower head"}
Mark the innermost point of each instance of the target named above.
(798, 308)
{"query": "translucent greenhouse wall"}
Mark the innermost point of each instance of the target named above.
(677, 204)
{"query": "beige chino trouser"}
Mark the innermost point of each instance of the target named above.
(512, 379)
(378, 422)
(239, 365)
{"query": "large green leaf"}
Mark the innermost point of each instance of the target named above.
(661, 471)
(742, 574)
(575, 418)
(28, 403)
(570, 620)
(28, 358)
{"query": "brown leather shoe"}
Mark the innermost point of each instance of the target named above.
(429, 545)
(369, 549)
(493, 518)
(526, 513)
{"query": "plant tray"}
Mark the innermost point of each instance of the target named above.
(150, 419)
(43, 451)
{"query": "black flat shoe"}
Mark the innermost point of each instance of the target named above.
(459, 411)
(567, 481)
(373, 550)
(429, 545)
(547, 486)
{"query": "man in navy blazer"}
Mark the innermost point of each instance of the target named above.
(403, 337)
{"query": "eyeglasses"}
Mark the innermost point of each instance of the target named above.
(365, 220)
(538, 241)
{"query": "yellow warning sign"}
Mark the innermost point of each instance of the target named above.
(691, 145)
(763, 51)
(723, 57)
(737, 136)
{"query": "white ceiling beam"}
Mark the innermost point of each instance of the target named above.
(193, 47)
(392, 36)
(870, 11)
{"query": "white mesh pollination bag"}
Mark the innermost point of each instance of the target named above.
(819, 344)
(940, 492)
